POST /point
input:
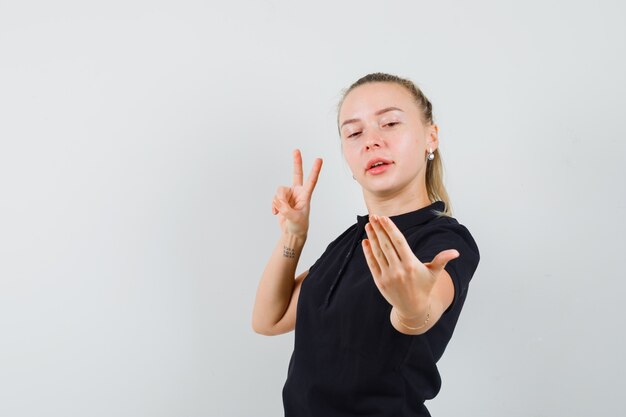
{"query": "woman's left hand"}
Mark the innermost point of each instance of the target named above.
(404, 281)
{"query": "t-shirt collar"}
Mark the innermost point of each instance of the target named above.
(412, 218)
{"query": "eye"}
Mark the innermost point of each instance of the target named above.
(353, 135)
(391, 124)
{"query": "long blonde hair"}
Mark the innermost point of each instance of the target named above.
(434, 169)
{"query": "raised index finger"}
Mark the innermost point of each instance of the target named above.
(297, 168)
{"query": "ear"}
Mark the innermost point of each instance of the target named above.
(432, 138)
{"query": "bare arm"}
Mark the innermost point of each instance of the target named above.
(277, 294)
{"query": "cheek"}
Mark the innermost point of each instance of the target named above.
(350, 156)
(412, 143)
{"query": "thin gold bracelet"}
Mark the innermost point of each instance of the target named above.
(414, 328)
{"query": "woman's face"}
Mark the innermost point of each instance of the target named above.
(384, 139)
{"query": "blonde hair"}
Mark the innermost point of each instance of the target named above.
(434, 169)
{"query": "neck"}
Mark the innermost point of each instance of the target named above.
(395, 203)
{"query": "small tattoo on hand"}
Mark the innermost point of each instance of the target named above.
(289, 252)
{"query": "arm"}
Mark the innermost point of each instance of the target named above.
(277, 294)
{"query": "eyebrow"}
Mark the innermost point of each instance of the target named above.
(378, 113)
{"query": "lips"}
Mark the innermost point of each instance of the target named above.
(377, 164)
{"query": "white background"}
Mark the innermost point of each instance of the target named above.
(141, 143)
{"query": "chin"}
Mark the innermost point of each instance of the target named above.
(382, 187)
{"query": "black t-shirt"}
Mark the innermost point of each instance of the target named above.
(348, 359)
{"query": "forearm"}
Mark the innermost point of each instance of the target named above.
(277, 283)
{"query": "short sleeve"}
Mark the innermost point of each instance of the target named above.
(451, 235)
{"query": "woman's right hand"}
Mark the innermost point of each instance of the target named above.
(292, 204)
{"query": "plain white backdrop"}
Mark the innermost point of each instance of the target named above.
(141, 143)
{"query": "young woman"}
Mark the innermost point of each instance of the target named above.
(375, 312)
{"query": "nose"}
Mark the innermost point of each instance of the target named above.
(372, 141)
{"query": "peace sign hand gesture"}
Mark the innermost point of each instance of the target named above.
(292, 204)
(405, 282)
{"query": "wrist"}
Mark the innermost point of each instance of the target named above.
(292, 244)
(413, 321)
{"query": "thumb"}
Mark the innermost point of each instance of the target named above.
(441, 260)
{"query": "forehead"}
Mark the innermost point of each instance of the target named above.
(366, 99)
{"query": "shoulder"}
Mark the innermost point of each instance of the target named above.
(345, 238)
(441, 233)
